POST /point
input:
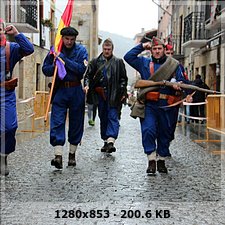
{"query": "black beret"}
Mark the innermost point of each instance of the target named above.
(69, 31)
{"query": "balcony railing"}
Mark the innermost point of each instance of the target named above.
(194, 26)
(25, 16)
(28, 12)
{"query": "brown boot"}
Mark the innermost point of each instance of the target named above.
(72, 160)
(57, 162)
(151, 170)
(3, 165)
(161, 167)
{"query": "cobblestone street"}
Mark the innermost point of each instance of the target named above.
(192, 193)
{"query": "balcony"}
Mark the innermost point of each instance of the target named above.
(194, 30)
(216, 21)
(27, 17)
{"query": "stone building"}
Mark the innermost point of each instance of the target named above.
(199, 38)
(197, 32)
(164, 20)
(85, 19)
(38, 20)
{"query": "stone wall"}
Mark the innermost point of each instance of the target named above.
(27, 72)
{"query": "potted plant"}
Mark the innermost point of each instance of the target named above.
(47, 23)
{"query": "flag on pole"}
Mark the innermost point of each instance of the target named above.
(64, 22)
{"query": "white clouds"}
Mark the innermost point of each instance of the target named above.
(127, 17)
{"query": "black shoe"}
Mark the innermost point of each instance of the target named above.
(161, 167)
(110, 147)
(72, 160)
(57, 162)
(151, 170)
(104, 147)
(3, 166)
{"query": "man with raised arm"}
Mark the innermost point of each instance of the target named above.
(155, 120)
(11, 53)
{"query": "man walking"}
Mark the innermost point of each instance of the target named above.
(156, 122)
(69, 95)
(11, 53)
(106, 85)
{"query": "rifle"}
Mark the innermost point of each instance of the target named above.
(150, 83)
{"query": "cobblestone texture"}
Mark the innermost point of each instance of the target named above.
(192, 191)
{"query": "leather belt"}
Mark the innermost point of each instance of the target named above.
(68, 84)
(9, 84)
(155, 96)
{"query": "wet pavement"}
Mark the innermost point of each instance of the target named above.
(114, 189)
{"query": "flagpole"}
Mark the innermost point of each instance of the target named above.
(50, 95)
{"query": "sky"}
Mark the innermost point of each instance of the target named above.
(127, 17)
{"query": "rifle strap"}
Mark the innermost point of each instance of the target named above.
(7, 54)
(164, 72)
(96, 78)
(96, 73)
(98, 70)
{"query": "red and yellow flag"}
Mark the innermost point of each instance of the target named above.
(64, 22)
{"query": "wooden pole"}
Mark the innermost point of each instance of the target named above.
(50, 95)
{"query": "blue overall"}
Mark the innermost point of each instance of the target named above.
(108, 115)
(107, 79)
(8, 115)
(68, 98)
(157, 126)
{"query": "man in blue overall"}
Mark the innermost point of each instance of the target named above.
(11, 53)
(156, 124)
(105, 83)
(69, 96)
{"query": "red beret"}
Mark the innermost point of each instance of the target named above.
(169, 47)
(157, 41)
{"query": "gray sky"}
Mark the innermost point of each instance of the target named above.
(127, 17)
